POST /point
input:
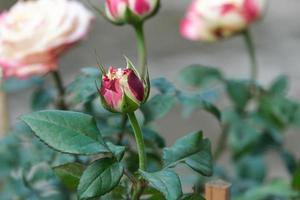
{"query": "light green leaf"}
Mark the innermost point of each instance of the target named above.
(276, 188)
(280, 85)
(157, 107)
(166, 181)
(99, 178)
(199, 75)
(66, 131)
(193, 150)
(163, 85)
(69, 174)
(118, 151)
(83, 88)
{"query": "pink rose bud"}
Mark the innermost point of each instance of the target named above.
(123, 90)
(130, 11)
(33, 34)
(210, 20)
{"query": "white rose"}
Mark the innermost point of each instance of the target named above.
(33, 34)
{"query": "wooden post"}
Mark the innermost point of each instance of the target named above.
(217, 190)
(3, 110)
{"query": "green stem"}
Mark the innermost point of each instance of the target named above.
(139, 140)
(251, 51)
(221, 144)
(141, 47)
(61, 104)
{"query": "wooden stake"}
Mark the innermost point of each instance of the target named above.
(217, 190)
(3, 110)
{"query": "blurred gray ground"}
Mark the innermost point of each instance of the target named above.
(277, 40)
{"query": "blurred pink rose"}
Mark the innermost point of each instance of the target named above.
(121, 11)
(33, 34)
(210, 20)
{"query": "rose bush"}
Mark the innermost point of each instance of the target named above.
(32, 39)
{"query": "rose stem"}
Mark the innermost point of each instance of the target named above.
(61, 104)
(141, 152)
(252, 55)
(141, 47)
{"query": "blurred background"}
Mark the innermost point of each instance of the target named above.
(277, 39)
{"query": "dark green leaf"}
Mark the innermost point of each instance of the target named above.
(166, 181)
(157, 107)
(193, 150)
(69, 174)
(199, 75)
(289, 160)
(100, 178)
(238, 92)
(153, 194)
(66, 131)
(252, 167)
(296, 180)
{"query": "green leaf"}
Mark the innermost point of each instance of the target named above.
(66, 131)
(165, 181)
(15, 85)
(153, 194)
(84, 88)
(238, 92)
(118, 151)
(296, 180)
(163, 85)
(41, 99)
(69, 174)
(289, 160)
(157, 107)
(193, 150)
(278, 188)
(252, 167)
(154, 137)
(199, 75)
(99, 178)
(280, 85)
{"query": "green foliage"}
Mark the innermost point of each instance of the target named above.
(165, 181)
(192, 150)
(84, 89)
(69, 174)
(100, 178)
(66, 131)
(15, 85)
(199, 75)
(157, 107)
(275, 189)
(41, 98)
(238, 92)
(296, 180)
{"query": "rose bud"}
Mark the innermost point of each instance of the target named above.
(33, 34)
(210, 20)
(123, 90)
(130, 11)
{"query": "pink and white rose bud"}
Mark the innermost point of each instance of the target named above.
(210, 20)
(122, 90)
(130, 11)
(33, 34)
